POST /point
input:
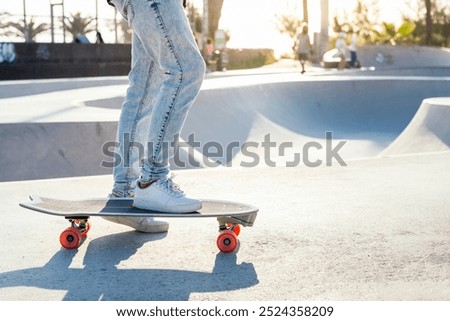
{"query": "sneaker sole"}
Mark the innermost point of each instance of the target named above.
(185, 209)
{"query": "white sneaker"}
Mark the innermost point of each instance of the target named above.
(164, 196)
(141, 224)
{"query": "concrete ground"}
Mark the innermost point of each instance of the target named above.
(376, 229)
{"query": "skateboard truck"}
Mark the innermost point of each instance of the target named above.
(246, 220)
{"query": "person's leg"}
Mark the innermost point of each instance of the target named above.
(144, 83)
(342, 63)
(169, 39)
(165, 34)
(126, 166)
(302, 57)
(145, 80)
(353, 58)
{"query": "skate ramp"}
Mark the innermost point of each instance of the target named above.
(367, 114)
(242, 121)
(429, 130)
(398, 57)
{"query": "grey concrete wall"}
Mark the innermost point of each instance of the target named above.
(403, 56)
(47, 60)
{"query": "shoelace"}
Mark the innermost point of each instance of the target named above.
(170, 186)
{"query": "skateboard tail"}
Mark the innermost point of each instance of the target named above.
(33, 204)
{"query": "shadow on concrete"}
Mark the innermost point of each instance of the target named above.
(110, 103)
(100, 279)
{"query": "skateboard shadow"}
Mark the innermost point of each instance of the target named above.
(100, 279)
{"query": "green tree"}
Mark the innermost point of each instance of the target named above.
(364, 19)
(393, 35)
(78, 25)
(367, 16)
(195, 18)
(439, 26)
(27, 31)
(289, 25)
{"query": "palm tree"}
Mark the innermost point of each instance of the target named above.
(126, 31)
(78, 25)
(428, 22)
(305, 11)
(27, 31)
(289, 25)
(3, 16)
(4, 27)
(215, 11)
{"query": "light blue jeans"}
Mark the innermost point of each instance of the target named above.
(166, 74)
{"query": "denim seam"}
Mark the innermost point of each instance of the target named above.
(129, 12)
(170, 108)
(137, 118)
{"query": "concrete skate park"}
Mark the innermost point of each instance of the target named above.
(369, 222)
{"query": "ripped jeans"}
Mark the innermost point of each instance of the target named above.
(166, 74)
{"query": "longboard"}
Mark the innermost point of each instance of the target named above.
(230, 215)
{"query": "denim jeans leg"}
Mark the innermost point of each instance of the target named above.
(164, 31)
(144, 82)
(165, 78)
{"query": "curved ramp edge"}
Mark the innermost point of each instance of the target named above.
(428, 131)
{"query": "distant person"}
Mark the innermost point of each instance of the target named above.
(303, 47)
(80, 38)
(353, 47)
(7, 53)
(167, 71)
(341, 48)
(209, 50)
(99, 38)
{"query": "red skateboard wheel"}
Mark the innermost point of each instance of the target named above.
(70, 238)
(227, 241)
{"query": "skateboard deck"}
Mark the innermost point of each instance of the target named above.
(230, 215)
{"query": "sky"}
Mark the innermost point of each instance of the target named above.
(261, 31)
(251, 23)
